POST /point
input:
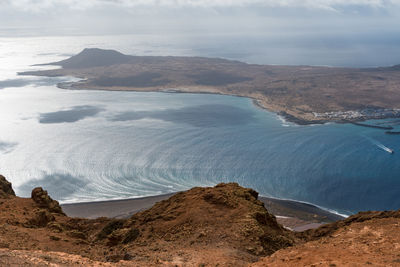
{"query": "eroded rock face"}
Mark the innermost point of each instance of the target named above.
(225, 214)
(41, 218)
(5, 188)
(43, 200)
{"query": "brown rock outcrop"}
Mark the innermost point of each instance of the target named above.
(5, 188)
(43, 200)
(41, 218)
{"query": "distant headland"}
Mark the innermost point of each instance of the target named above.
(302, 94)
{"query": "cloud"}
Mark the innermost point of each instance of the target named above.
(40, 5)
(6, 147)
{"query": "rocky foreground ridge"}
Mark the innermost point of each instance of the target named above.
(225, 225)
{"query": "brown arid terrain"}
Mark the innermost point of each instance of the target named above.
(303, 94)
(225, 225)
(366, 239)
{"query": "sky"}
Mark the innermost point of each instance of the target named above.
(368, 28)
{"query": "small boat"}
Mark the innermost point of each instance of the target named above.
(391, 151)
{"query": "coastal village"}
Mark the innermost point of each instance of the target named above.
(363, 114)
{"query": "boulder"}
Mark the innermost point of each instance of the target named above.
(41, 218)
(5, 188)
(43, 200)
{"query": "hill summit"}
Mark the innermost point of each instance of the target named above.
(93, 57)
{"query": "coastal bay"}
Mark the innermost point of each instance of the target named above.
(302, 94)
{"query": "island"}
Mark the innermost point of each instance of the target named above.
(301, 94)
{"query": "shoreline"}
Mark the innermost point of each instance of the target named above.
(294, 215)
(303, 95)
(256, 102)
(261, 103)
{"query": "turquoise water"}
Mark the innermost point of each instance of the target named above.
(96, 145)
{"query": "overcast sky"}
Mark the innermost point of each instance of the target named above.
(370, 25)
(107, 16)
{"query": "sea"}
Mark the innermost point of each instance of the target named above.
(88, 145)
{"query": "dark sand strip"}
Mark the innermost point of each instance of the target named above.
(112, 208)
(300, 210)
(297, 216)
